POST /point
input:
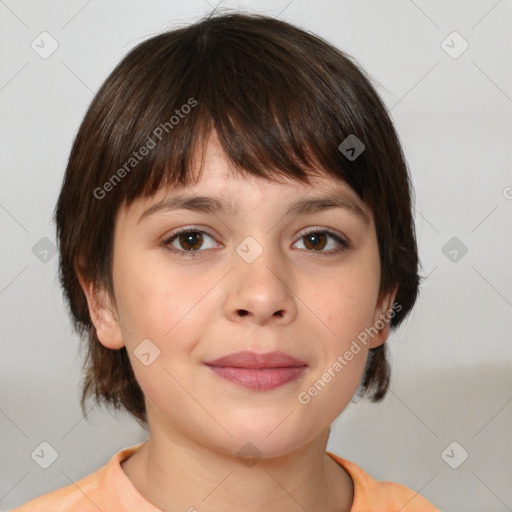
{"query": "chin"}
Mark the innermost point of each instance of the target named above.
(263, 440)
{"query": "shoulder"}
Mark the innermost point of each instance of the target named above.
(70, 498)
(371, 494)
(107, 489)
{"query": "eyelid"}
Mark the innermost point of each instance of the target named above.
(343, 242)
(185, 229)
(341, 239)
(314, 229)
(302, 233)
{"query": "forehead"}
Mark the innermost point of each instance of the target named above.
(218, 186)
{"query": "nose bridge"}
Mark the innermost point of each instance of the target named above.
(260, 286)
(260, 251)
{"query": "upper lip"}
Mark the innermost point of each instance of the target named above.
(247, 359)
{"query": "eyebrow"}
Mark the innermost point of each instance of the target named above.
(206, 204)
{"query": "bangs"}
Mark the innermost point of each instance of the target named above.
(277, 109)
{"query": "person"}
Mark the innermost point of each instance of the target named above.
(236, 242)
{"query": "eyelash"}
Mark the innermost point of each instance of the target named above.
(344, 245)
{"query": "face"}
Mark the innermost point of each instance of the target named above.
(303, 283)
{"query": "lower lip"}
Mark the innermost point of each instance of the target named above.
(259, 379)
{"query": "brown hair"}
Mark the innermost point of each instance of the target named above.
(281, 101)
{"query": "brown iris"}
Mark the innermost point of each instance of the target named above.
(191, 241)
(313, 239)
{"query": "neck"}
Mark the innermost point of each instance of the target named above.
(173, 472)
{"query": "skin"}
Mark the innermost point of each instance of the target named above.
(309, 304)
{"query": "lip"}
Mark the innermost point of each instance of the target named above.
(247, 359)
(259, 372)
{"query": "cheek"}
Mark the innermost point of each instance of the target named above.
(346, 306)
(165, 305)
(165, 315)
(348, 302)
(156, 309)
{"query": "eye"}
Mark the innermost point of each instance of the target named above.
(190, 241)
(316, 241)
(187, 241)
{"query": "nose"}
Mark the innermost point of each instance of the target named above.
(260, 287)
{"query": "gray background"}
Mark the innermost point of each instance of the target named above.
(451, 359)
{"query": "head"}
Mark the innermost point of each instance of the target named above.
(251, 111)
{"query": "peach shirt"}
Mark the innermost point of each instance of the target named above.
(108, 489)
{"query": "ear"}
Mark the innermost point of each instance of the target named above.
(382, 317)
(103, 316)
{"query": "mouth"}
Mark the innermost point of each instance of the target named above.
(258, 372)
